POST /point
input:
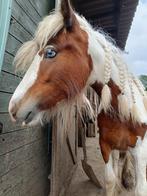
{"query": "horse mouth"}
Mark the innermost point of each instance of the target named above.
(29, 117)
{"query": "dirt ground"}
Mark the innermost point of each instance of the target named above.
(81, 185)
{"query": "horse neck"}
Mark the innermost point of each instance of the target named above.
(97, 76)
(99, 58)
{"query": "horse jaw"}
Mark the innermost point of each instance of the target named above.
(64, 112)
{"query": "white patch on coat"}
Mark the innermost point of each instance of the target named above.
(27, 81)
(110, 177)
(140, 155)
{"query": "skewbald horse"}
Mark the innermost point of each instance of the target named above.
(65, 57)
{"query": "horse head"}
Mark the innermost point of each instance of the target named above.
(58, 65)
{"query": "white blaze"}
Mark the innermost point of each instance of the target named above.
(27, 81)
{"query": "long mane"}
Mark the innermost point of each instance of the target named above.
(114, 67)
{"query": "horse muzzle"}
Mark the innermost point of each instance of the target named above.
(22, 113)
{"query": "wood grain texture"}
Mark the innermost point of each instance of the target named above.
(4, 101)
(7, 63)
(24, 162)
(8, 82)
(42, 7)
(27, 7)
(18, 31)
(23, 175)
(15, 158)
(22, 18)
(62, 162)
(12, 45)
(14, 140)
(8, 125)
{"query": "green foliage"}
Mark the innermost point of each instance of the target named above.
(143, 79)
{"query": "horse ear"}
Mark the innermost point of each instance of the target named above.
(68, 14)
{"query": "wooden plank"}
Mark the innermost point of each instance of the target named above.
(12, 45)
(23, 174)
(40, 187)
(22, 18)
(72, 153)
(80, 129)
(4, 101)
(91, 130)
(29, 10)
(8, 82)
(61, 158)
(15, 191)
(71, 134)
(93, 8)
(41, 6)
(36, 186)
(11, 160)
(23, 152)
(14, 140)
(19, 31)
(7, 63)
(8, 125)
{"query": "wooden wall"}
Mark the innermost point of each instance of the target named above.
(23, 152)
(64, 155)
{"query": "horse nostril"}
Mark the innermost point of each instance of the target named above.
(13, 111)
(13, 115)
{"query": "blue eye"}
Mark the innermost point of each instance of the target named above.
(50, 53)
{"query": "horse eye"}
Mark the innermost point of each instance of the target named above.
(50, 53)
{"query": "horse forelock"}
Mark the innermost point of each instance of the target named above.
(47, 29)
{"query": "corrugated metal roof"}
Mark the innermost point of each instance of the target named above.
(113, 16)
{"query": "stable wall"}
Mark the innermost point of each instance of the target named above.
(24, 162)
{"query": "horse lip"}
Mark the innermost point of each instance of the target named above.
(28, 117)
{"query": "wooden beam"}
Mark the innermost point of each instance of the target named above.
(94, 3)
(117, 16)
(95, 9)
(102, 15)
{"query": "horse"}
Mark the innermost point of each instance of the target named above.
(65, 57)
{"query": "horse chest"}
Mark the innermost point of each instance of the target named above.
(117, 135)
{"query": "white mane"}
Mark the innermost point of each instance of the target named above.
(107, 64)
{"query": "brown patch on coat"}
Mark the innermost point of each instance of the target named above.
(115, 134)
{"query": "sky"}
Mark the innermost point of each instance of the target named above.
(136, 45)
